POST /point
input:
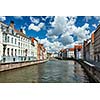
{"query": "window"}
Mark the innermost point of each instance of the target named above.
(15, 41)
(8, 39)
(8, 51)
(4, 48)
(11, 40)
(29, 58)
(18, 52)
(15, 52)
(4, 38)
(21, 52)
(4, 59)
(13, 59)
(19, 44)
(12, 52)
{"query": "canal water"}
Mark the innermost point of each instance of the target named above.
(58, 71)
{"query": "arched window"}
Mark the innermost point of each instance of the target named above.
(15, 41)
(12, 40)
(12, 52)
(8, 39)
(8, 51)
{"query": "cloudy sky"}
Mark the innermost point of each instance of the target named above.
(55, 32)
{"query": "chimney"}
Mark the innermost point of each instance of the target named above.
(21, 30)
(12, 24)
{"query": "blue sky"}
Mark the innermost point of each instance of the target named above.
(55, 32)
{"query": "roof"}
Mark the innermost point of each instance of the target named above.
(71, 49)
(17, 31)
(22, 34)
(32, 39)
(78, 46)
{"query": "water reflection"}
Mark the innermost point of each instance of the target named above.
(51, 72)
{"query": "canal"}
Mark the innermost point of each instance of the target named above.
(58, 71)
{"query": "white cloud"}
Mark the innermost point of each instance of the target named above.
(59, 25)
(51, 47)
(61, 35)
(66, 40)
(34, 20)
(64, 27)
(94, 25)
(36, 27)
(82, 32)
(18, 17)
(2, 18)
(33, 27)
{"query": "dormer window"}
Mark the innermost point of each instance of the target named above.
(10, 31)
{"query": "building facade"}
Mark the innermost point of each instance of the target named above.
(9, 42)
(78, 51)
(15, 46)
(87, 47)
(70, 53)
(97, 44)
(34, 48)
(92, 47)
(62, 53)
(42, 54)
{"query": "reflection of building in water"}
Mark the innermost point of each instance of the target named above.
(79, 72)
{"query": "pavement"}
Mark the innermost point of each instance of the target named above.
(97, 64)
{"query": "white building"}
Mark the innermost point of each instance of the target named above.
(70, 53)
(34, 49)
(14, 45)
(9, 43)
(78, 51)
(25, 47)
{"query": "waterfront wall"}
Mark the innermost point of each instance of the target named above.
(13, 65)
(92, 71)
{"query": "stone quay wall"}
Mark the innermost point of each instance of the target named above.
(92, 71)
(13, 65)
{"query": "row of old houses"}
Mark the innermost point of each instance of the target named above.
(89, 50)
(15, 46)
(75, 52)
(92, 47)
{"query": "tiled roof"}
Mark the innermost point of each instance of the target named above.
(71, 49)
(78, 46)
